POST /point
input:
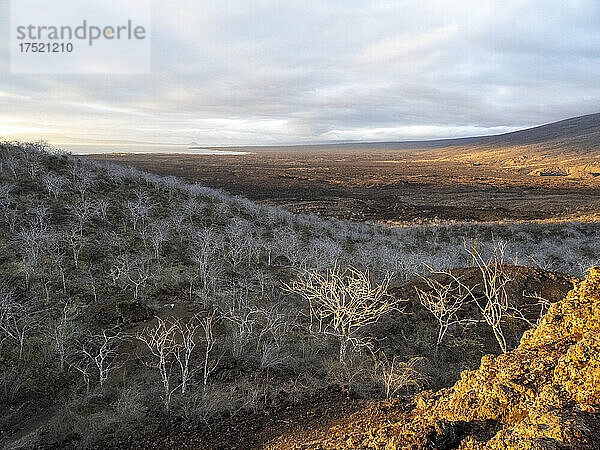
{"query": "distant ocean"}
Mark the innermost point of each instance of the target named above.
(94, 149)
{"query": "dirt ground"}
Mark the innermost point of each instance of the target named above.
(325, 408)
(387, 186)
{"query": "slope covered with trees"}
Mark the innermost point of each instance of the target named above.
(131, 303)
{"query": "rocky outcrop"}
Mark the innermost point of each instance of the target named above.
(543, 395)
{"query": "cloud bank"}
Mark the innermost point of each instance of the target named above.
(229, 72)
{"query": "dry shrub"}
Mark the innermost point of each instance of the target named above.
(355, 374)
(130, 405)
(396, 375)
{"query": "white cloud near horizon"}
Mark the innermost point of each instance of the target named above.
(232, 72)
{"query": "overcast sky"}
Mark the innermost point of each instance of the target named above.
(260, 71)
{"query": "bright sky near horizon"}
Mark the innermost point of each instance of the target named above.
(233, 72)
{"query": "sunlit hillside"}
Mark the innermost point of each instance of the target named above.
(137, 308)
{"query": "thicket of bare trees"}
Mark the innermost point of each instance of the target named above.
(103, 267)
(172, 343)
(342, 303)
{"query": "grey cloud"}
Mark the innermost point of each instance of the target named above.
(235, 72)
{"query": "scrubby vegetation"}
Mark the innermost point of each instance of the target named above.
(543, 395)
(126, 296)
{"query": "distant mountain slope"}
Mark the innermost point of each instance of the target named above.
(570, 148)
(582, 129)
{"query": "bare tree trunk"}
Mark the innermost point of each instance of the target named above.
(500, 338)
(343, 348)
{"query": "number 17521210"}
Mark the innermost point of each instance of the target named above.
(49, 47)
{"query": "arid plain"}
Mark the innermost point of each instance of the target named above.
(544, 173)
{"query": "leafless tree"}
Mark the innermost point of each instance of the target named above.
(288, 244)
(185, 343)
(222, 209)
(269, 247)
(31, 241)
(172, 341)
(493, 301)
(76, 243)
(170, 183)
(53, 184)
(6, 190)
(253, 248)
(9, 211)
(101, 349)
(272, 324)
(33, 168)
(261, 278)
(343, 303)
(443, 301)
(209, 365)
(114, 242)
(84, 367)
(207, 242)
(13, 319)
(242, 317)
(81, 210)
(137, 272)
(177, 218)
(39, 216)
(325, 252)
(11, 215)
(117, 270)
(159, 233)
(160, 340)
(237, 233)
(46, 273)
(83, 178)
(12, 164)
(191, 208)
(540, 302)
(101, 209)
(56, 251)
(273, 216)
(92, 279)
(63, 330)
(138, 209)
